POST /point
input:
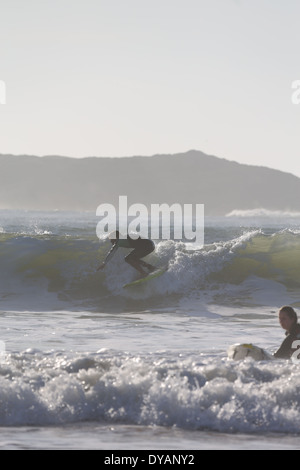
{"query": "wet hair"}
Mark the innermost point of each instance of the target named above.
(290, 312)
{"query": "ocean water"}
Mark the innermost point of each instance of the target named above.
(86, 364)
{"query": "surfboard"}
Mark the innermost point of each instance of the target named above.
(238, 352)
(158, 272)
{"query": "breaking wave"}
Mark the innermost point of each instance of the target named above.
(216, 395)
(265, 213)
(63, 269)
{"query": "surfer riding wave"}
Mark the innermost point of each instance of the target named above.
(141, 247)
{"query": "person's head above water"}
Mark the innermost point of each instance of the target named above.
(287, 317)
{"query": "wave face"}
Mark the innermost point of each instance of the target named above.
(62, 269)
(163, 390)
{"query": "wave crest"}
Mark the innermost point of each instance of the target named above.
(64, 269)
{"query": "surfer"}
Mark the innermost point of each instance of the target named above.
(141, 248)
(288, 321)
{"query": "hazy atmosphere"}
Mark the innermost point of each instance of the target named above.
(176, 124)
(116, 78)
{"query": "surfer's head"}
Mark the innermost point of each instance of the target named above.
(287, 317)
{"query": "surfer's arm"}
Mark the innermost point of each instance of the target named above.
(109, 255)
(286, 350)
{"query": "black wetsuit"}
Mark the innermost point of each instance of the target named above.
(285, 351)
(141, 247)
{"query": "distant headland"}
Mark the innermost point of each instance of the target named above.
(223, 186)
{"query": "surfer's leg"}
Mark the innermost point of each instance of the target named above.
(148, 248)
(134, 258)
(147, 266)
(136, 264)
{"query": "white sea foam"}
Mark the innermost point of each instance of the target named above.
(264, 213)
(214, 394)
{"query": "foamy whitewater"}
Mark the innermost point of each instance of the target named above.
(88, 364)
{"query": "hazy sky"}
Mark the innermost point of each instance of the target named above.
(140, 77)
